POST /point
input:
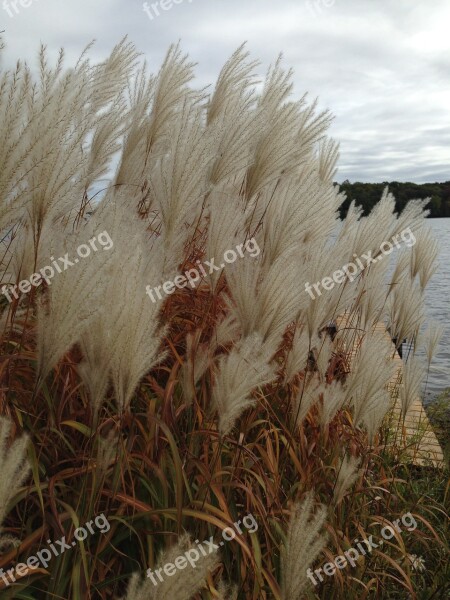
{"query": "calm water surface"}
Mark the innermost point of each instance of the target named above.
(437, 301)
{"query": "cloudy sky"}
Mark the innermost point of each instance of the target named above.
(381, 67)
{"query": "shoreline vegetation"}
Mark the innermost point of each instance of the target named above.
(237, 397)
(367, 195)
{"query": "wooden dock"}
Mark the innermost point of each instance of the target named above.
(414, 438)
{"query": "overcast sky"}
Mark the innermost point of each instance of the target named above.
(382, 66)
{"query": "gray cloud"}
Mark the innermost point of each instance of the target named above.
(382, 68)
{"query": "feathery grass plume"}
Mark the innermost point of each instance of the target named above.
(110, 79)
(350, 223)
(381, 225)
(312, 129)
(132, 163)
(347, 473)
(405, 310)
(275, 147)
(413, 216)
(401, 270)
(324, 355)
(232, 110)
(373, 416)
(58, 135)
(328, 157)
(410, 390)
(366, 385)
(110, 126)
(284, 221)
(307, 395)
(98, 342)
(179, 181)
(59, 328)
(312, 218)
(15, 88)
(20, 258)
(374, 290)
(95, 343)
(424, 256)
(225, 231)
(14, 467)
(304, 543)
(318, 313)
(150, 135)
(227, 331)
(138, 333)
(278, 301)
(246, 367)
(288, 135)
(298, 354)
(333, 399)
(234, 135)
(227, 592)
(288, 222)
(68, 129)
(277, 286)
(200, 356)
(183, 585)
(106, 451)
(236, 80)
(432, 338)
(412, 219)
(241, 305)
(127, 335)
(373, 229)
(325, 304)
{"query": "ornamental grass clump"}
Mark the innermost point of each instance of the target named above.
(240, 394)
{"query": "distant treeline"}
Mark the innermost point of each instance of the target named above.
(368, 194)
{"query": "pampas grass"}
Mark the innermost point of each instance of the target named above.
(244, 369)
(424, 257)
(413, 376)
(433, 336)
(223, 399)
(347, 474)
(298, 354)
(183, 585)
(14, 468)
(303, 544)
(366, 386)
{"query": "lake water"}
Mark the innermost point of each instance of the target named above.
(437, 296)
